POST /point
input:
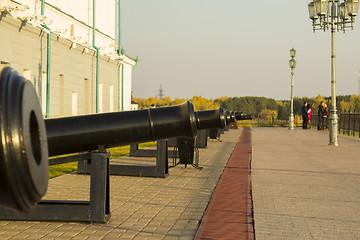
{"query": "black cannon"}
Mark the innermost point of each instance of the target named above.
(188, 147)
(201, 138)
(225, 119)
(210, 119)
(233, 122)
(204, 120)
(230, 119)
(87, 132)
(27, 140)
(242, 116)
(233, 116)
(215, 133)
(24, 151)
(95, 133)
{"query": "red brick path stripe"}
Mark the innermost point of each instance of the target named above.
(228, 215)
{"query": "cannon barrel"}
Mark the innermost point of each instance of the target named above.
(87, 132)
(210, 119)
(242, 116)
(24, 152)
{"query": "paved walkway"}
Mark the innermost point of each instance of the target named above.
(303, 188)
(141, 208)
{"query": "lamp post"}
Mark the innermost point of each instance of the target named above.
(292, 64)
(336, 15)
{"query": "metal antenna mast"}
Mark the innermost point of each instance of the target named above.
(161, 93)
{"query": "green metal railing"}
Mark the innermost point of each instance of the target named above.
(349, 123)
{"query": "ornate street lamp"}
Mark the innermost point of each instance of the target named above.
(333, 15)
(292, 64)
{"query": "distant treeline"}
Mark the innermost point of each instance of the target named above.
(257, 106)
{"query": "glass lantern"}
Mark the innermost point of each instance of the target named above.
(352, 7)
(292, 63)
(321, 7)
(343, 12)
(292, 53)
(312, 11)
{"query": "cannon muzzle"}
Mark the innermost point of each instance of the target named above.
(210, 119)
(230, 117)
(87, 132)
(24, 152)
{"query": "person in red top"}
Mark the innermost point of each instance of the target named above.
(326, 110)
(309, 115)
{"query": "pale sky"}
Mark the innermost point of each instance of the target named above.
(234, 48)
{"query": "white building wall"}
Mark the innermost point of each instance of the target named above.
(72, 69)
(73, 19)
(83, 10)
(127, 86)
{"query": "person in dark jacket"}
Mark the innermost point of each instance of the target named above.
(321, 113)
(304, 113)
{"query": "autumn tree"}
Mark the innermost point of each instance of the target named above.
(355, 103)
(256, 105)
(201, 104)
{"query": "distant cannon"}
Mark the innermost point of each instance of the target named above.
(242, 116)
(228, 117)
(201, 139)
(210, 119)
(232, 116)
(24, 152)
(187, 147)
(215, 133)
(204, 120)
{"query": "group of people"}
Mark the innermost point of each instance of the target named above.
(306, 112)
(322, 115)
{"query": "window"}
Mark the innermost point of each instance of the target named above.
(74, 103)
(100, 97)
(111, 98)
(43, 92)
(62, 95)
(86, 96)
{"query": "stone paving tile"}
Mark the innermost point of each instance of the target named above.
(141, 208)
(303, 188)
